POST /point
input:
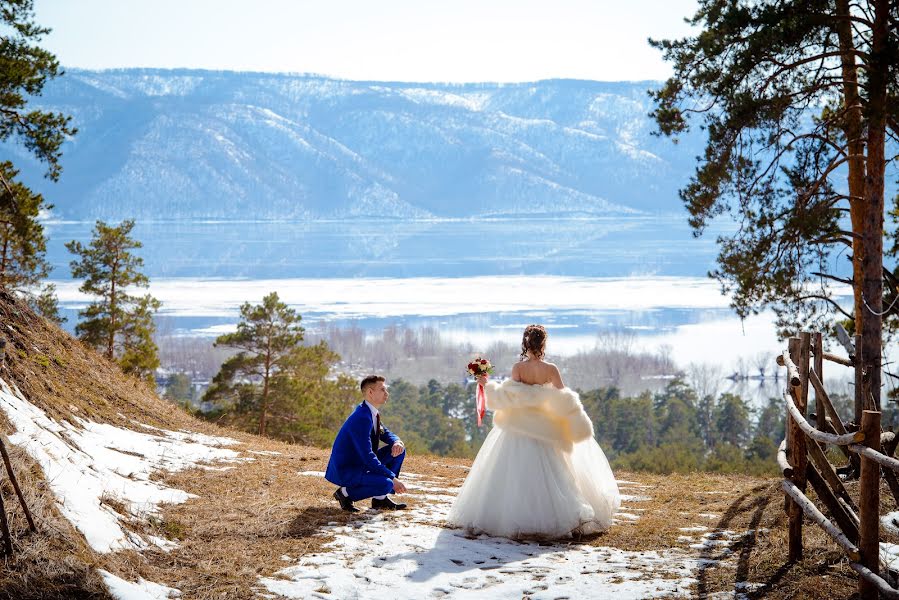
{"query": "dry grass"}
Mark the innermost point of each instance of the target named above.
(245, 519)
(249, 517)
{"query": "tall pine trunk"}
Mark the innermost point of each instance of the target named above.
(268, 371)
(854, 131)
(871, 232)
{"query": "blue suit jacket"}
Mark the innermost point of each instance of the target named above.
(352, 453)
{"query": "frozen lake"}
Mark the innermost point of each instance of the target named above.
(477, 281)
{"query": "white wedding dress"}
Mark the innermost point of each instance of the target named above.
(540, 472)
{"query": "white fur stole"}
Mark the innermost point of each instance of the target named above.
(541, 412)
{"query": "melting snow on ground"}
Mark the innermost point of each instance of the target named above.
(142, 590)
(91, 467)
(410, 556)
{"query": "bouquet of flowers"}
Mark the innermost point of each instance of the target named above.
(480, 366)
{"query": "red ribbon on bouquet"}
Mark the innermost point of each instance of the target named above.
(481, 404)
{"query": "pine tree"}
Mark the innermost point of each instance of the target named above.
(792, 94)
(46, 304)
(25, 70)
(265, 336)
(23, 245)
(118, 324)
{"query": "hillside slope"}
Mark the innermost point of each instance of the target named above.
(135, 499)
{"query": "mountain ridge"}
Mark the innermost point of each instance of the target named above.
(194, 144)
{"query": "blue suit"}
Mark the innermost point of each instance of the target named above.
(355, 461)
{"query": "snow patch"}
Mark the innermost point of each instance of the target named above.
(142, 590)
(88, 464)
(409, 555)
(409, 560)
(629, 498)
(890, 522)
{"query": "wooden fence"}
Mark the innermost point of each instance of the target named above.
(855, 527)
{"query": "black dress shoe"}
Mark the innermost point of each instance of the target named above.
(387, 503)
(345, 502)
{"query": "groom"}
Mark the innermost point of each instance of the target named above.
(357, 466)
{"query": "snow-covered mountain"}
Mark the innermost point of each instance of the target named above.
(155, 144)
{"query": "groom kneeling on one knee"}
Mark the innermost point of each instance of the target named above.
(358, 466)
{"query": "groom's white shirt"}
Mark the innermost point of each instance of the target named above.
(374, 412)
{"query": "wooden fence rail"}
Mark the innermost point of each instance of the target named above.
(802, 460)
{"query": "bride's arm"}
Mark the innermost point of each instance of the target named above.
(555, 377)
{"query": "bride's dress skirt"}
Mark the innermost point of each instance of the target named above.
(519, 486)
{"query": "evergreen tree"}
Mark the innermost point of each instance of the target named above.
(118, 324)
(46, 304)
(772, 421)
(25, 70)
(178, 389)
(732, 420)
(306, 403)
(266, 335)
(792, 94)
(676, 413)
(23, 245)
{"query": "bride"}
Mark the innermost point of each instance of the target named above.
(539, 473)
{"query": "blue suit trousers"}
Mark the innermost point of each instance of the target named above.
(372, 484)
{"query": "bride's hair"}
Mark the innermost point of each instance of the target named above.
(534, 339)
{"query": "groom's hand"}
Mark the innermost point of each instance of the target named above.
(398, 486)
(397, 449)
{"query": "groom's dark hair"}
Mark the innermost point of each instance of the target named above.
(370, 380)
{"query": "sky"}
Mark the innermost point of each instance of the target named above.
(383, 40)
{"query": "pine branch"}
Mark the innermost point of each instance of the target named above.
(826, 299)
(832, 278)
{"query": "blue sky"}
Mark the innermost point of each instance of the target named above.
(390, 40)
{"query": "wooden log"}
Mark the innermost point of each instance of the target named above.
(833, 419)
(805, 349)
(782, 461)
(837, 359)
(812, 512)
(15, 485)
(875, 580)
(886, 461)
(893, 483)
(797, 455)
(852, 514)
(784, 360)
(818, 368)
(859, 381)
(820, 436)
(824, 400)
(888, 441)
(869, 504)
(847, 524)
(845, 340)
(824, 468)
(4, 528)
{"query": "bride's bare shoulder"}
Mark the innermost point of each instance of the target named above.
(516, 372)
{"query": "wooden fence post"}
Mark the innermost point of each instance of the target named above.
(799, 354)
(859, 380)
(820, 413)
(869, 505)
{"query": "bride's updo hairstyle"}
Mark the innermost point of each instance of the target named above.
(534, 339)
